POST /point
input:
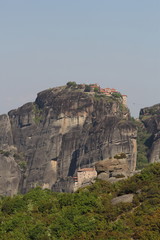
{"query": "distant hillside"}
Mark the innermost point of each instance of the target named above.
(125, 210)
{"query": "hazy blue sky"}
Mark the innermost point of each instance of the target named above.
(46, 43)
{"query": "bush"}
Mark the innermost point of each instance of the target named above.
(87, 88)
(120, 156)
(6, 154)
(12, 205)
(143, 145)
(96, 89)
(71, 84)
(17, 156)
(119, 176)
(117, 95)
(37, 114)
(99, 96)
(22, 165)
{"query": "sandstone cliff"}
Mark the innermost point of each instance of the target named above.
(62, 131)
(150, 117)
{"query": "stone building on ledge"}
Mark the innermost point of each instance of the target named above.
(84, 177)
(107, 91)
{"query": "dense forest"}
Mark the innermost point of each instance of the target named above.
(88, 213)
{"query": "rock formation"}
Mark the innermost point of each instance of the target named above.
(63, 131)
(113, 169)
(150, 117)
(126, 198)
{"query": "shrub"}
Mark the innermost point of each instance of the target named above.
(143, 145)
(6, 154)
(12, 205)
(71, 84)
(87, 88)
(120, 156)
(38, 114)
(117, 95)
(99, 96)
(96, 89)
(119, 176)
(22, 165)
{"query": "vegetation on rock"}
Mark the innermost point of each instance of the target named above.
(37, 114)
(87, 88)
(5, 153)
(143, 145)
(120, 156)
(117, 95)
(96, 89)
(149, 112)
(71, 84)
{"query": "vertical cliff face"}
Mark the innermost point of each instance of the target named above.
(9, 171)
(150, 116)
(62, 131)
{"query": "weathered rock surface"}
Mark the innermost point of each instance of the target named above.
(113, 169)
(9, 176)
(150, 116)
(5, 132)
(126, 198)
(62, 131)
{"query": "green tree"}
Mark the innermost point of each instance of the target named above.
(143, 138)
(87, 88)
(117, 94)
(96, 89)
(71, 84)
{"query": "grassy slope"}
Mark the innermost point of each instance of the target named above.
(87, 214)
